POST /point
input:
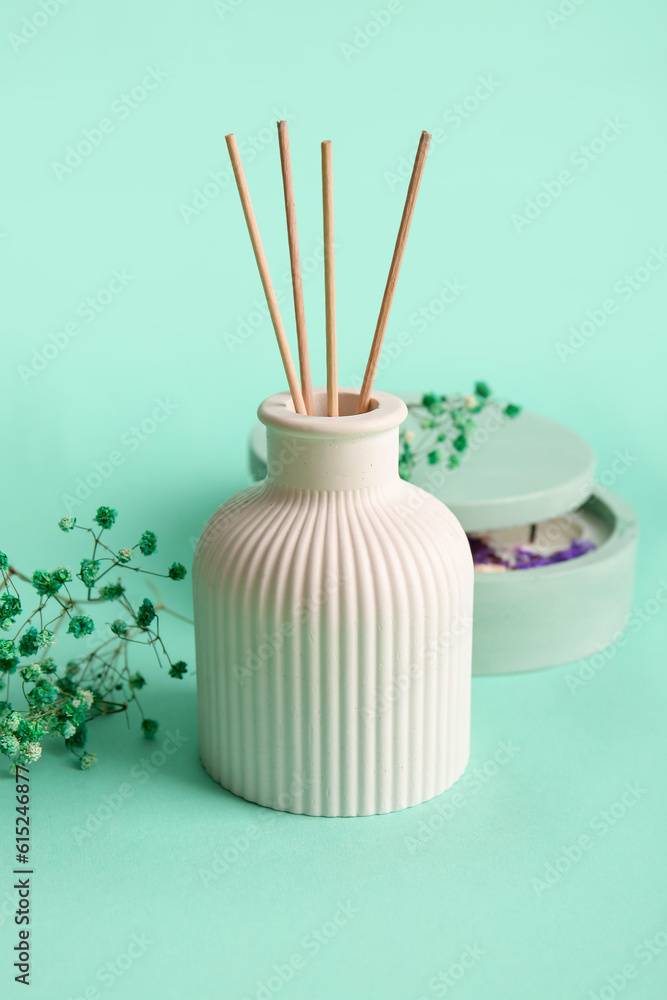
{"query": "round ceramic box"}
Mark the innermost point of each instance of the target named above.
(554, 552)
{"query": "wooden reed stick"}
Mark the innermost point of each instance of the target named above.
(271, 300)
(297, 285)
(329, 280)
(390, 288)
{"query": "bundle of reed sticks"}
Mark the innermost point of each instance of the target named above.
(302, 393)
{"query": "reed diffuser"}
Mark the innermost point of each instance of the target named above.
(333, 601)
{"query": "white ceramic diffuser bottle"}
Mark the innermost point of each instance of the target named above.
(333, 623)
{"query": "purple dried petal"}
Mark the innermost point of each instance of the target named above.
(579, 547)
(524, 555)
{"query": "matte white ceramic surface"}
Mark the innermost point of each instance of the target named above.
(333, 613)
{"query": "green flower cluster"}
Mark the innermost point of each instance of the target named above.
(80, 625)
(8, 658)
(19, 737)
(146, 613)
(30, 672)
(148, 543)
(105, 517)
(48, 584)
(30, 642)
(10, 609)
(89, 572)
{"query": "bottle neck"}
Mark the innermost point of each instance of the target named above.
(324, 462)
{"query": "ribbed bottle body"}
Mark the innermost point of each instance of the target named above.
(333, 633)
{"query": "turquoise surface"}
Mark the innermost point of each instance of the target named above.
(135, 352)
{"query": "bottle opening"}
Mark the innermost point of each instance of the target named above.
(348, 402)
(386, 411)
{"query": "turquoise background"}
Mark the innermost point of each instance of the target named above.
(171, 334)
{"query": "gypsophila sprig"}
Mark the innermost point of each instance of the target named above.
(445, 427)
(63, 696)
